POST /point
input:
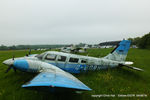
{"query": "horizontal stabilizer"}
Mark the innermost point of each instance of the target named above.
(131, 67)
(128, 63)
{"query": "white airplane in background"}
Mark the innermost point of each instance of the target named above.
(74, 49)
(54, 68)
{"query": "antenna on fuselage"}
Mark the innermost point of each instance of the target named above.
(28, 53)
(87, 54)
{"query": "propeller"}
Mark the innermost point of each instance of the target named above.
(8, 69)
(11, 66)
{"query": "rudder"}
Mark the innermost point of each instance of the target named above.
(120, 52)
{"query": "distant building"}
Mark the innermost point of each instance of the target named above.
(134, 46)
(110, 44)
(95, 46)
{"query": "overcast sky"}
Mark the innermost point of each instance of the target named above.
(72, 21)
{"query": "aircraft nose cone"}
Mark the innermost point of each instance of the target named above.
(8, 62)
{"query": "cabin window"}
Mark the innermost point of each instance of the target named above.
(83, 61)
(50, 57)
(74, 60)
(62, 58)
(40, 56)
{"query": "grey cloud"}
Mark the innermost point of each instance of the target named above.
(72, 21)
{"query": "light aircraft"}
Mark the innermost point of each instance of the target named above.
(74, 49)
(54, 68)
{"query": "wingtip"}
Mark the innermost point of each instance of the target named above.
(88, 89)
(24, 86)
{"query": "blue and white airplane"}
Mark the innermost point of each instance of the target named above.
(54, 68)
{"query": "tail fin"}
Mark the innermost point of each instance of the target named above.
(120, 52)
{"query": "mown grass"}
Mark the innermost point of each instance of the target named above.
(111, 81)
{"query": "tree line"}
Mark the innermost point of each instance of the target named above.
(22, 47)
(142, 42)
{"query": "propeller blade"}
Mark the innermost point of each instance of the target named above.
(8, 69)
(29, 51)
(14, 69)
(13, 57)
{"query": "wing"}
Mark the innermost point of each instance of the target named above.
(55, 79)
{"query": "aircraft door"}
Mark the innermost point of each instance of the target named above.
(73, 65)
(61, 61)
(83, 65)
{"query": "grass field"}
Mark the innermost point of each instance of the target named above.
(112, 81)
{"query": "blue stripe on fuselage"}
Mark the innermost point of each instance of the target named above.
(78, 68)
(71, 68)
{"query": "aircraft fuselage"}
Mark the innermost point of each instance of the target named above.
(70, 62)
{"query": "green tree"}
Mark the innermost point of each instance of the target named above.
(135, 41)
(2, 47)
(145, 41)
(12, 47)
